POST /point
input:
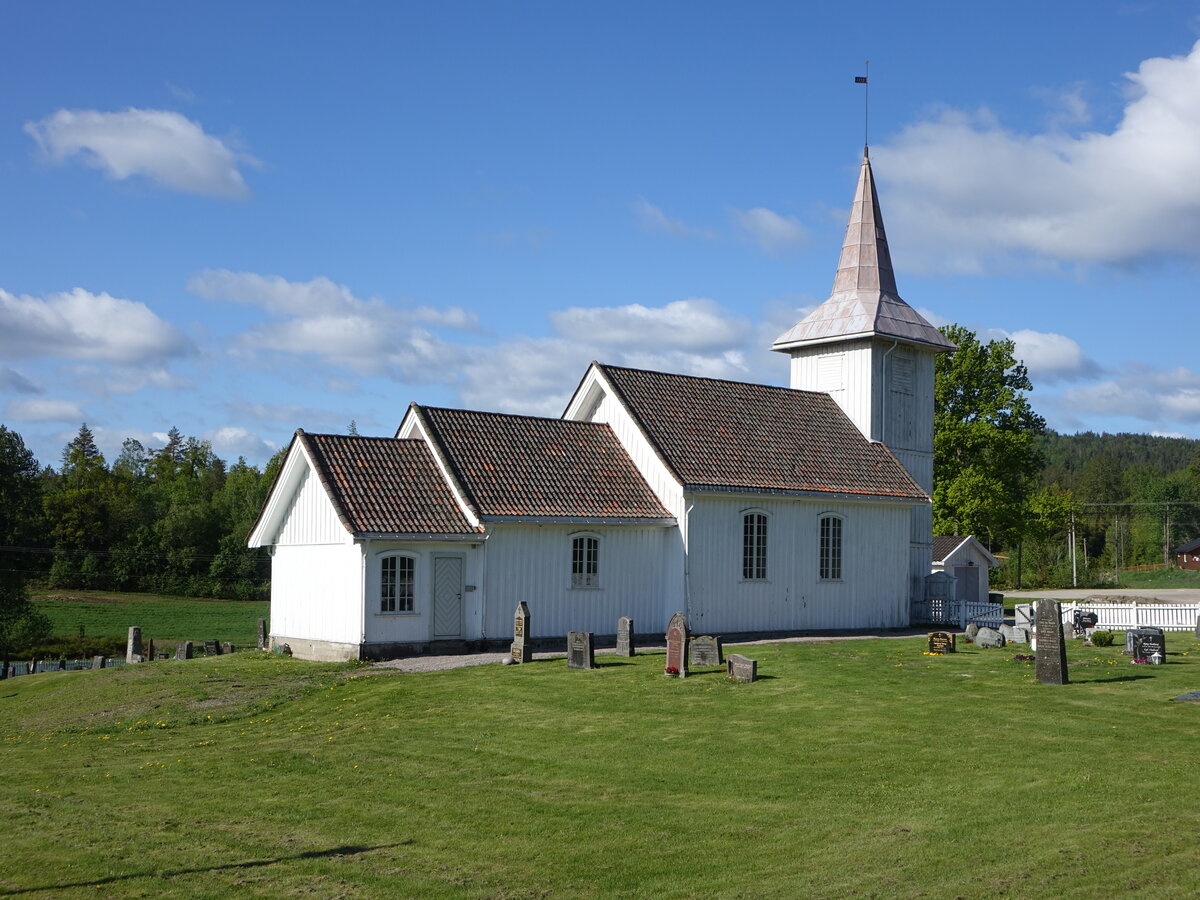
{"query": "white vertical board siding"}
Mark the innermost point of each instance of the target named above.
(814, 369)
(533, 563)
(873, 591)
(310, 518)
(417, 626)
(316, 591)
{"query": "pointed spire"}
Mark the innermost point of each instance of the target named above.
(864, 301)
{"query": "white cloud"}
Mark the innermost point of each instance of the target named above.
(696, 324)
(325, 321)
(292, 413)
(774, 233)
(651, 218)
(1052, 357)
(965, 194)
(81, 325)
(163, 146)
(231, 441)
(44, 410)
(1145, 393)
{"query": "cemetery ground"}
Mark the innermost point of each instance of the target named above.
(163, 618)
(854, 769)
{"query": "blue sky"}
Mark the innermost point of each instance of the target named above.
(244, 218)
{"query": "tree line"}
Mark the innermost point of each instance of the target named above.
(170, 520)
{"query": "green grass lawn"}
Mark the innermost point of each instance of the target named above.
(1161, 578)
(852, 769)
(102, 613)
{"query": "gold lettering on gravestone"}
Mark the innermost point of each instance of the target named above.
(942, 642)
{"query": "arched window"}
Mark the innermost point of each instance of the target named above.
(585, 561)
(754, 546)
(831, 548)
(396, 584)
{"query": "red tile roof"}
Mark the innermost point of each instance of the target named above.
(726, 434)
(527, 466)
(385, 485)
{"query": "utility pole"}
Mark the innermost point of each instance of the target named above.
(1074, 568)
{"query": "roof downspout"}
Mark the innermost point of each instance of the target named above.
(687, 561)
(362, 597)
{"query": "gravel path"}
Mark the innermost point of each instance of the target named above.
(458, 660)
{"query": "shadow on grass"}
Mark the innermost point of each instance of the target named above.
(344, 850)
(1109, 680)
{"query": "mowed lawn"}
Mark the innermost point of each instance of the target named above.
(101, 613)
(853, 769)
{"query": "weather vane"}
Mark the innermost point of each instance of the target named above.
(862, 79)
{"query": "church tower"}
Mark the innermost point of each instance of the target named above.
(874, 354)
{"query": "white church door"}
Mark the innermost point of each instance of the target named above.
(447, 596)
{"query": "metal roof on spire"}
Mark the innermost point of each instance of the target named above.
(864, 301)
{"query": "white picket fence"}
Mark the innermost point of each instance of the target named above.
(1124, 616)
(958, 612)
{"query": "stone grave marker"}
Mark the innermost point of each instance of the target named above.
(1198, 628)
(262, 634)
(99, 661)
(1149, 643)
(227, 647)
(741, 668)
(942, 642)
(212, 648)
(133, 644)
(625, 637)
(1051, 664)
(677, 643)
(521, 651)
(989, 637)
(150, 650)
(705, 650)
(581, 652)
(1133, 635)
(183, 650)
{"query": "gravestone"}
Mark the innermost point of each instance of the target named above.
(971, 630)
(705, 650)
(262, 634)
(625, 637)
(942, 642)
(1198, 628)
(150, 650)
(183, 650)
(581, 652)
(677, 642)
(1148, 643)
(1051, 665)
(99, 661)
(212, 648)
(989, 637)
(741, 668)
(227, 647)
(520, 650)
(1134, 635)
(133, 645)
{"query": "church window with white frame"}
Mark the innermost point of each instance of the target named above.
(585, 561)
(396, 578)
(754, 546)
(831, 548)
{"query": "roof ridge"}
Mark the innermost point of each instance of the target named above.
(527, 416)
(710, 379)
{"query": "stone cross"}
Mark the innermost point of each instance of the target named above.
(1051, 652)
(677, 643)
(625, 645)
(133, 646)
(581, 651)
(521, 651)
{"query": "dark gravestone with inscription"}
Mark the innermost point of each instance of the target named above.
(520, 651)
(212, 648)
(262, 634)
(705, 650)
(581, 652)
(1051, 665)
(133, 645)
(942, 642)
(1149, 644)
(625, 637)
(741, 668)
(183, 650)
(677, 644)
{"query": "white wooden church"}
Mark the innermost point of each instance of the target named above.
(748, 507)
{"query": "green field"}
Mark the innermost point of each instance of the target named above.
(853, 769)
(101, 613)
(1161, 578)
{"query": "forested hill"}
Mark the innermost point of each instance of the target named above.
(1067, 454)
